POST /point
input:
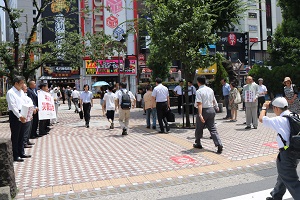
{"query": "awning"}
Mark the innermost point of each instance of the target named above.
(59, 78)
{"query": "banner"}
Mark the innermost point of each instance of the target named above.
(46, 106)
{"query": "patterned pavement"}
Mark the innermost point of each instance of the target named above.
(74, 162)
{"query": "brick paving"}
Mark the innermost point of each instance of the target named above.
(80, 162)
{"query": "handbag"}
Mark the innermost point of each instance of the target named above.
(170, 116)
(238, 98)
(80, 113)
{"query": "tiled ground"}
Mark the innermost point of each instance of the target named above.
(73, 158)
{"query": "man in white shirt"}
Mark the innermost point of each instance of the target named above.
(206, 104)
(160, 95)
(15, 99)
(262, 91)
(124, 107)
(86, 100)
(178, 90)
(75, 98)
(286, 162)
(109, 105)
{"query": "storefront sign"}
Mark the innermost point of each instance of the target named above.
(109, 67)
(59, 71)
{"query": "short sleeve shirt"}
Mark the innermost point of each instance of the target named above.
(206, 96)
(119, 94)
(109, 99)
(86, 97)
(161, 93)
(178, 90)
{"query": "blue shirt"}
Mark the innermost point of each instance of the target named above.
(226, 89)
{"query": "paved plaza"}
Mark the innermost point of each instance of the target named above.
(74, 162)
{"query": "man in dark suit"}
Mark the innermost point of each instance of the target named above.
(32, 93)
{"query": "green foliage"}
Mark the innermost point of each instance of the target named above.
(159, 67)
(3, 104)
(221, 73)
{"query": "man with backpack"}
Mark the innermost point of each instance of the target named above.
(285, 124)
(125, 101)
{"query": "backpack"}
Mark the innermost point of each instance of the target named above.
(126, 101)
(238, 98)
(294, 146)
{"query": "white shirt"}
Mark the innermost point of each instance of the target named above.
(192, 90)
(110, 99)
(54, 95)
(15, 99)
(86, 97)
(119, 94)
(28, 100)
(281, 125)
(206, 96)
(161, 93)
(178, 89)
(262, 89)
(75, 94)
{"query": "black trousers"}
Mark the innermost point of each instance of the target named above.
(261, 101)
(192, 101)
(179, 99)
(162, 108)
(35, 123)
(86, 112)
(110, 114)
(17, 135)
(42, 126)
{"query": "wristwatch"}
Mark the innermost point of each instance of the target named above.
(264, 108)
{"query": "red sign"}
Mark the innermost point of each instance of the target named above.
(272, 144)
(141, 57)
(253, 40)
(232, 39)
(184, 159)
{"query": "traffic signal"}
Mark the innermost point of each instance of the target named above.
(127, 63)
(111, 69)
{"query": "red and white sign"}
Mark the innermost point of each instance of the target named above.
(46, 106)
(272, 144)
(141, 57)
(232, 39)
(253, 40)
(184, 159)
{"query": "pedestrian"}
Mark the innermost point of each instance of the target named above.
(160, 95)
(150, 107)
(68, 93)
(28, 124)
(54, 92)
(290, 92)
(86, 100)
(109, 105)
(233, 105)
(262, 91)
(250, 95)
(207, 106)
(125, 101)
(43, 124)
(75, 98)
(63, 94)
(226, 90)
(32, 93)
(15, 99)
(192, 94)
(178, 90)
(286, 162)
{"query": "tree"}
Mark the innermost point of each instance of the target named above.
(179, 28)
(159, 67)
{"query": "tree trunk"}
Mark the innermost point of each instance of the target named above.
(188, 77)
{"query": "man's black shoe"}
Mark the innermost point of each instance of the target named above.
(220, 149)
(148, 127)
(245, 123)
(87, 126)
(25, 156)
(124, 132)
(269, 198)
(30, 143)
(248, 127)
(27, 146)
(168, 128)
(198, 146)
(18, 159)
(153, 127)
(161, 132)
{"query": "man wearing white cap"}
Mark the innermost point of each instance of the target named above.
(286, 163)
(262, 91)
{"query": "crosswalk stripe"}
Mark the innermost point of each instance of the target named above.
(258, 195)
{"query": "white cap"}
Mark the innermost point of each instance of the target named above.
(280, 102)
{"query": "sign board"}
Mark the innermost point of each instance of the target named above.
(46, 106)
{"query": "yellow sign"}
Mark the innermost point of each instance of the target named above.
(59, 6)
(212, 70)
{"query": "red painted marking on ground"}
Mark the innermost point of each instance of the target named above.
(272, 144)
(184, 159)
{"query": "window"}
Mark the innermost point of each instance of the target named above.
(34, 12)
(252, 15)
(252, 28)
